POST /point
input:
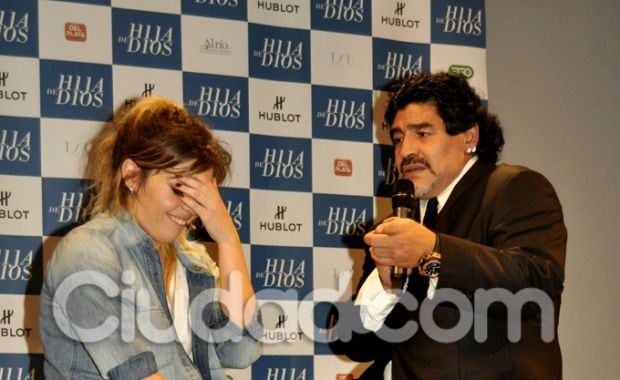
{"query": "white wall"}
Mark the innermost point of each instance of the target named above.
(553, 68)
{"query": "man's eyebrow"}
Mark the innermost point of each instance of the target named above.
(414, 126)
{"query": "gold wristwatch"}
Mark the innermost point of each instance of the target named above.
(430, 264)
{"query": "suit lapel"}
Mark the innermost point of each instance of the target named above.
(462, 197)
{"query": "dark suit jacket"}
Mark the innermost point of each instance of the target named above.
(502, 227)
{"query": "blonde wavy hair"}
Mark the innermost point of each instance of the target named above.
(157, 134)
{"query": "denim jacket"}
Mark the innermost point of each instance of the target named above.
(104, 314)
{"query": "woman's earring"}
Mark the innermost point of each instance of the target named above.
(471, 150)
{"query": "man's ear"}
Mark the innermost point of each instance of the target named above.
(471, 136)
(130, 171)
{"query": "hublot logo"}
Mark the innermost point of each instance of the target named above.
(8, 213)
(10, 332)
(398, 19)
(148, 91)
(276, 6)
(10, 94)
(279, 116)
(282, 332)
(279, 224)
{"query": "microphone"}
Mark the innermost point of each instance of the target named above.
(403, 206)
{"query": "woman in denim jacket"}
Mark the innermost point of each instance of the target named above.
(127, 295)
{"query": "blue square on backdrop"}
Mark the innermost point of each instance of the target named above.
(280, 163)
(21, 366)
(20, 146)
(384, 170)
(281, 273)
(75, 90)
(64, 201)
(279, 53)
(394, 60)
(229, 9)
(458, 22)
(282, 367)
(19, 28)
(150, 39)
(219, 100)
(21, 264)
(353, 17)
(342, 113)
(341, 220)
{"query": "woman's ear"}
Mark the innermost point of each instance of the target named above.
(130, 171)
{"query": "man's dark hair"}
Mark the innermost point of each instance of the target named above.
(458, 106)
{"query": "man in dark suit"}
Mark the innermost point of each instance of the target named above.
(487, 272)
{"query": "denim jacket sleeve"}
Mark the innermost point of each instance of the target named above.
(242, 347)
(85, 277)
(219, 342)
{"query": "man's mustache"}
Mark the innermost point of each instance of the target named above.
(411, 160)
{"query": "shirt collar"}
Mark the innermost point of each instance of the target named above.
(442, 198)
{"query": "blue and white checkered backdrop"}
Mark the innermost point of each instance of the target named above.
(294, 87)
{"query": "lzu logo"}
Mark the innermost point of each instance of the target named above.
(78, 90)
(280, 54)
(14, 27)
(149, 39)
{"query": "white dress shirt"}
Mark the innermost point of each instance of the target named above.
(375, 303)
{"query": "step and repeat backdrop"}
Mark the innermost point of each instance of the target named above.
(296, 88)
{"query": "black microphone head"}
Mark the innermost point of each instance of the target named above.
(403, 195)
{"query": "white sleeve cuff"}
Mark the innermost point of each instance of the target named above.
(375, 303)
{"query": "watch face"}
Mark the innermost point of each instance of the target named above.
(431, 268)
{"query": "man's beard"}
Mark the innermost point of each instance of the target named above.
(421, 192)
